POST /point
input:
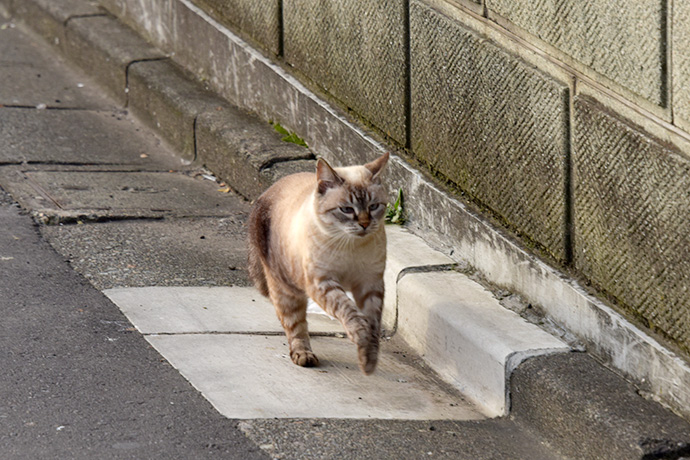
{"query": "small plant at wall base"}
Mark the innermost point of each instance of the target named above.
(288, 136)
(395, 214)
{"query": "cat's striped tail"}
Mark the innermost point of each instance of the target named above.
(258, 239)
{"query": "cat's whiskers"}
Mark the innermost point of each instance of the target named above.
(339, 241)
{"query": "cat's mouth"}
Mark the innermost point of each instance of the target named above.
(363, 232)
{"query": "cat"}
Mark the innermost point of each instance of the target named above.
(321, 235)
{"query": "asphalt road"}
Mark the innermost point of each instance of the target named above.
(77, 382)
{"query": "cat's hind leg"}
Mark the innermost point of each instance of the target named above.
(292, 312)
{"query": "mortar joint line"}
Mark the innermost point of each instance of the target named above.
(407, 40)
(569, 199)
(281, 30)
(667, 71)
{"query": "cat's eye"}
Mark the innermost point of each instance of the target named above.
(347, 210)
(374, 207)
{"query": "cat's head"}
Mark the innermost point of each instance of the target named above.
(351, 200)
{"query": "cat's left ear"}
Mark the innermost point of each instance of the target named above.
(376, 166)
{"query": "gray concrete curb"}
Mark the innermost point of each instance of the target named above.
(570, 398)
(161, 91)
(467, 336)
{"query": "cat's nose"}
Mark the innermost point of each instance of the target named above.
(364, 223)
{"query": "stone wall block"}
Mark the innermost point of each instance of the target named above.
(257, 19)
(621, 39)
(490, 123)
(632, 215)
(356, 52)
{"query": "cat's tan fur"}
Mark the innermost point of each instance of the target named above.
(320, 236)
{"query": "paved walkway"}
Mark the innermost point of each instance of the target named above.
(81, 379)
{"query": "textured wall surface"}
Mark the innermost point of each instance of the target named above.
(621, 39)
(681, 62)
(632, 215)
(258, 19)
(354, 50)
(490, 123)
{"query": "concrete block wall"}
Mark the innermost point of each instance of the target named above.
(490, 123)
(567, 121)
(356, 51)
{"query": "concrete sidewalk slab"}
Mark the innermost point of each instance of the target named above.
(31, 76)
(250, 376)
(184, 310)
(458, 326)
(229, 344)
(165, 252)
(79, 137)
(494, 439)
(75, 194)
(48, 17)
(467, 336)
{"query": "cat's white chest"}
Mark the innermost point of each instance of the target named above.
(355, 264)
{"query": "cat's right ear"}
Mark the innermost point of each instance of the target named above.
(326, 176)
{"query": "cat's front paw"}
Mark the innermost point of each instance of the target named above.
(367, 351)
(368, 356)
(304, 358)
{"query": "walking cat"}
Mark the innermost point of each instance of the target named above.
(322, 235)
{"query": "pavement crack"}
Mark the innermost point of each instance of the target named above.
(194, 138)
(339, 335)
(51, 219)
(41, 107)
